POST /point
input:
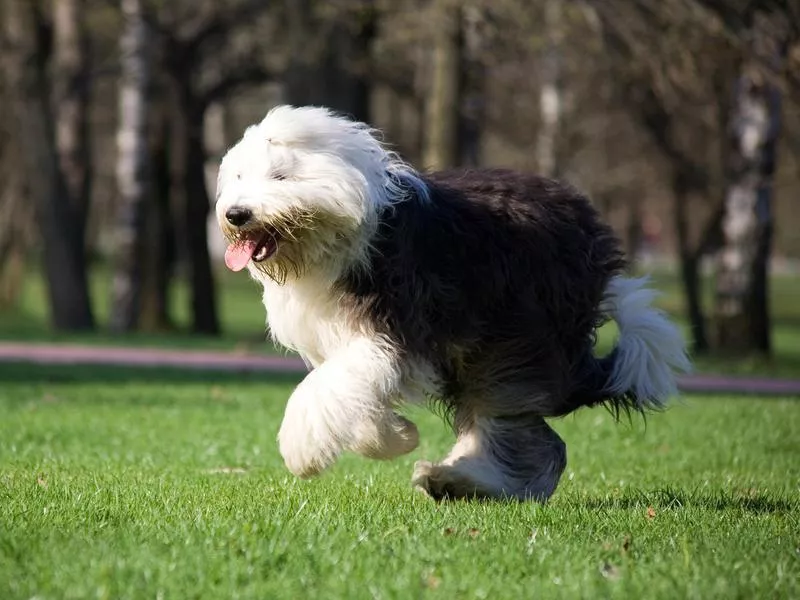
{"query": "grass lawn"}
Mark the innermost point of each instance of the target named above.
(158, 484)
(241, 315)
(242, 320)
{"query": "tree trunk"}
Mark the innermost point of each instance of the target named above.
(300, 83)
(634, 234)
(472, 81)
(133, 169)
(741, 303)
(15, 233)
(443, 106)
(689, 265)
(58, 221)
(550, 94)
(16, 216)
(71, 87)
(159, 254)
(194, 208)
(204, 303)
(338, 75)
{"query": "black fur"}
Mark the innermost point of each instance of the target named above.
(496, 281)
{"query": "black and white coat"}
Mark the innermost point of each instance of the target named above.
(479, 289)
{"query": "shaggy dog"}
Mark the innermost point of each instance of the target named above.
(478, 289)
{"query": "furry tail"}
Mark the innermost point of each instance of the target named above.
(640, 372)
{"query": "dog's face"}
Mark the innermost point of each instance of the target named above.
(301, 189)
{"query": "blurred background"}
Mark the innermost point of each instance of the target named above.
(678, 117)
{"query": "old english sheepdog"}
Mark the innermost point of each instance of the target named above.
(480, 290)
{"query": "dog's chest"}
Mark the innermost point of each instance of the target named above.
(306, 319)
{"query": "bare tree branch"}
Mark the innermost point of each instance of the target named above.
(245, 75)
(220, 23)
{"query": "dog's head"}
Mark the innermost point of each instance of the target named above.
(305, 188)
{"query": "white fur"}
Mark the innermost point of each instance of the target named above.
(650, 347)
(310, 159)
(328, 164)
(337, 174)
(335, 167)
(346, 403)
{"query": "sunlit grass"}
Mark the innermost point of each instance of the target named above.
(148, 484)
(242, 320)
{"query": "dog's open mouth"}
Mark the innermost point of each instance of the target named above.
(257, 248)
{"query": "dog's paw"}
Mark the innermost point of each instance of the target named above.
(443, 482)
(306, 441)
(387, 439)
(305, 455)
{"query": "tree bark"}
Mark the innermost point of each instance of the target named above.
(689, 263)
(634, 234)
(550, 93)
(337, 75)
(159, 255)
(443, 106)
(16, 216)
(194, 203)
(187, 151)
(742, 319)
(71, 87)
(58, 221)
(472, 93)
(133, 168)
(15, 229)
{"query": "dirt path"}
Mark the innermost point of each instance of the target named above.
(56, 354)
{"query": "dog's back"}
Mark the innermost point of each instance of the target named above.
(497, 279)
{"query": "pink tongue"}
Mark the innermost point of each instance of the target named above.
(239, 254)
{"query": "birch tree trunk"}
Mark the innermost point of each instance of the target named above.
(550, 93)
(58, 222)
(472, 83)
(133, 169)
(741, 301)
(442, 111)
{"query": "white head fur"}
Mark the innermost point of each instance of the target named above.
(318, 180)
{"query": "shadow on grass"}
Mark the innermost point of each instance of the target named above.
(26, 373)
(750, 501)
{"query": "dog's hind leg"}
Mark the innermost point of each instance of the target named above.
(494, 457)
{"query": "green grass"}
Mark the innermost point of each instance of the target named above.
(163, 484)
(243, 321)
(241, 315)
(785, 310)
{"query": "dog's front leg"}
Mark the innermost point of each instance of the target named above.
(346, 403)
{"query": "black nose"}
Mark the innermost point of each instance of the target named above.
(238, 215)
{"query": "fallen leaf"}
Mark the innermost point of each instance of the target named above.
(473, 533)
(609, 571)
(41, 480)
(448, 531)
(651, 512)
(432, 582)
